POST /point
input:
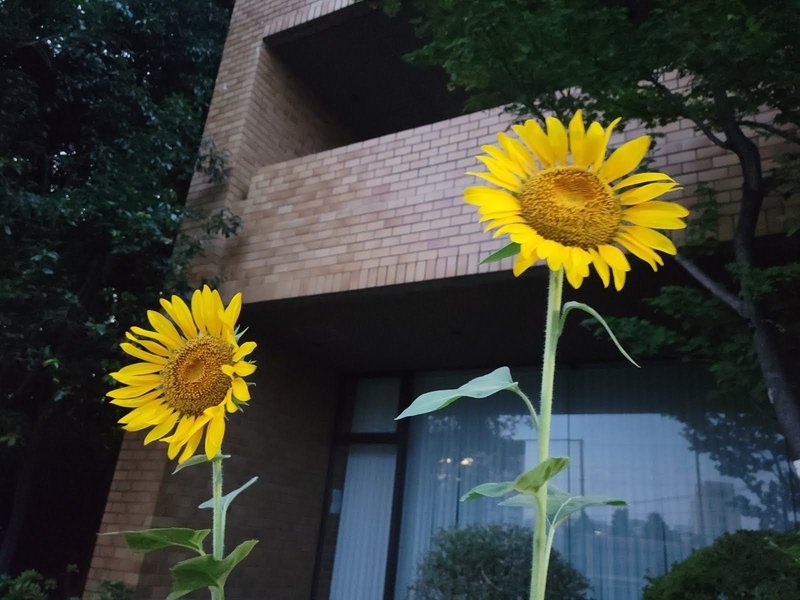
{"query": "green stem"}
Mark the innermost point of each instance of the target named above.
(218, 531)
(541, 547)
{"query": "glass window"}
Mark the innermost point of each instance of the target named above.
(648, 436)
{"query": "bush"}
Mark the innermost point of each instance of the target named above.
(489, 562)
(28, 585)
(746, 565)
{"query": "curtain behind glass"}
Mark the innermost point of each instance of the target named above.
(648, 436)
(359, 566)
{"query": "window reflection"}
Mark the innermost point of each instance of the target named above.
(690, 471)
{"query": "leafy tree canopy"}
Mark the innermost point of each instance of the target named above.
(738, 79)
(101, 115)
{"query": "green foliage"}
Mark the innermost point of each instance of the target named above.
(480, 387)
(115, 590)
(514, 51)
(489, 562)
(749, 565)
(28, 585)
(147, 540)
(100, 120)
(206, 571)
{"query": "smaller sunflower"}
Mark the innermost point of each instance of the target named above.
(559, 198)
(191, 373)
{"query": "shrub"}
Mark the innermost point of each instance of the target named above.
(746, 565)
(489, 562)
(28, 585)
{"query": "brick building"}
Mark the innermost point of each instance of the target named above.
(359, 264)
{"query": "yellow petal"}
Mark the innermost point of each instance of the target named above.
(495, 180)
(574, 277)
(163, 326)
(233, 309)
(140, 369)
(153, 347)
(500, 171)
(214, 434)
(244, 368)
(244, 350)
(576, 135)
(480, 195)
(614, 257)
(161, 429)
(211, 306)
(517, 151)
(136, 380)
(593, 142)
(512, 165)
(600, 266)
(619, 279)
(130, 391)
(639, 178)
(601, 153)
(557, 136)
(163, 340)
(646, 192)
(658, 215)
(523, 263)
(536, 139)
(141, 354)
(644, 253)
(240, 390)
(625, 159)
(651, 238)
(197, 311)
(180, 313)
(230, 405)
(191, 446)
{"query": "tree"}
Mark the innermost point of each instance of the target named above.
(740, 73)
(101, 115)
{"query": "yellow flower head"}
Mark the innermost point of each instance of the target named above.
(191, 373)
(561, 200)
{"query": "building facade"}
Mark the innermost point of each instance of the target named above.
(360, 268)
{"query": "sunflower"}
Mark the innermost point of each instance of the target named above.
(561, 200)
(191, 373)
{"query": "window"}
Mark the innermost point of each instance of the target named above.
(648, 436)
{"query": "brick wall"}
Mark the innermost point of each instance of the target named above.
(283, 437)
(390, 210)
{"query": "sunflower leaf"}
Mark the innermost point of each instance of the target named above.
(206, 571)
(530, 481)
(569, 306)
(480, 387)
(148, 540)
(489, 490)
(198, 459)
(511, 249)
(561, 504)
(229, 497)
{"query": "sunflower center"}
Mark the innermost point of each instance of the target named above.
(192, 378)
(571, 206)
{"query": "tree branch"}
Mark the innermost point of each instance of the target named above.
(712, 286)
(787, 135)
(682, 111)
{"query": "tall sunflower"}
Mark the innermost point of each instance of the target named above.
(191, 373)
(561, 200)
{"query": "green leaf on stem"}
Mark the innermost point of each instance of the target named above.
(511, 249)
(198, 459)
(489, 490)
(148, 540)
(520, 501)
(480, 387)
(569, 306)
(229, 497)
(530, 481)
(206, 571)
(561, 504)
